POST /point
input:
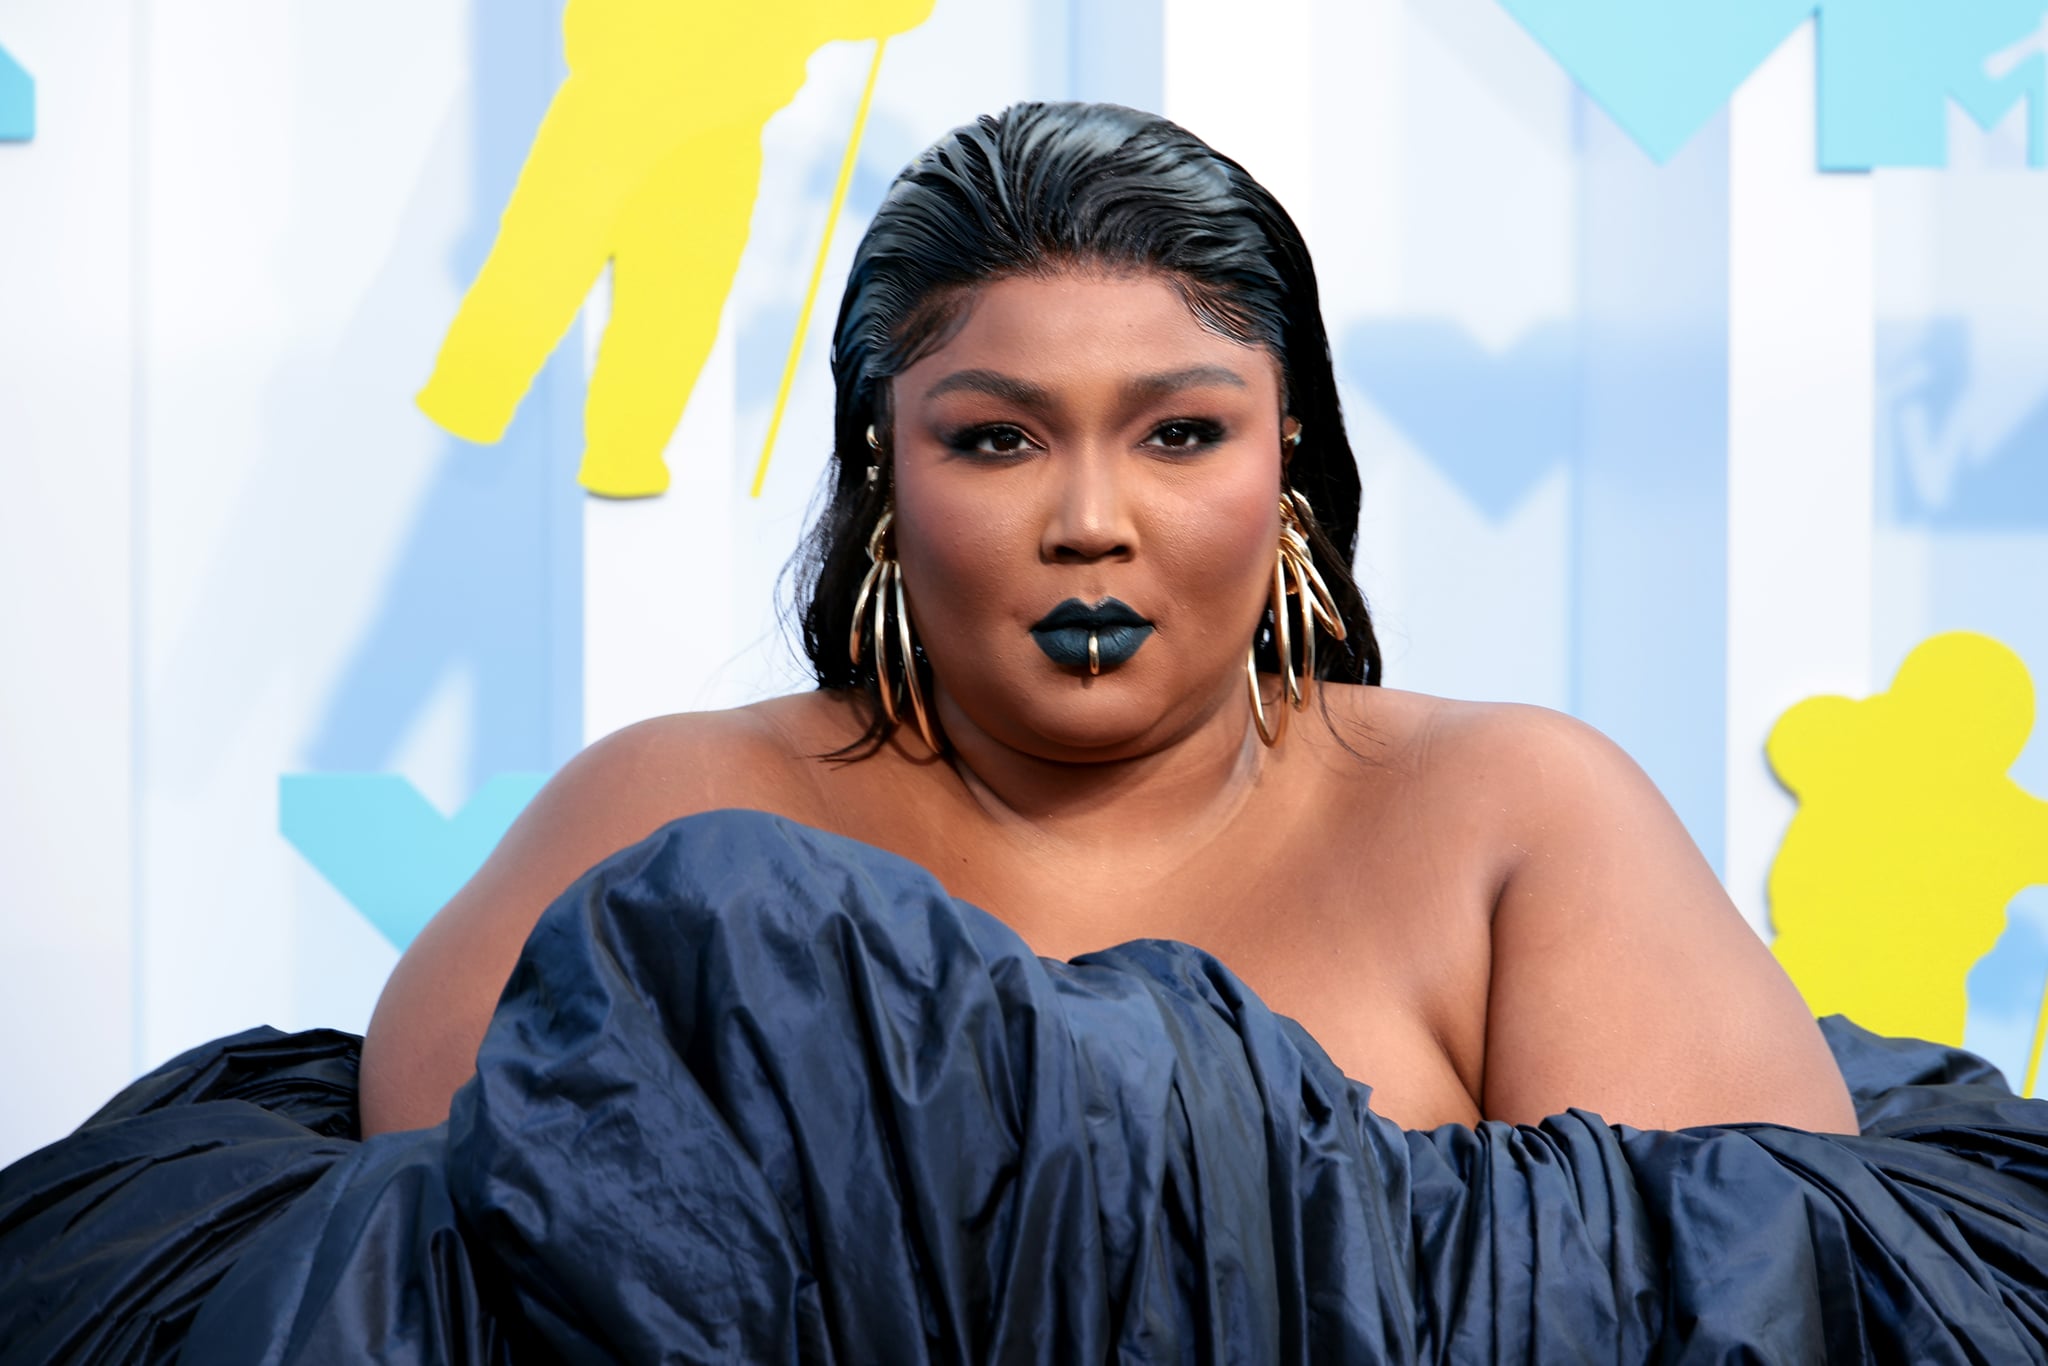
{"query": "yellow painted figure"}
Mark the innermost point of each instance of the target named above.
(650, 157)
(1911, 839)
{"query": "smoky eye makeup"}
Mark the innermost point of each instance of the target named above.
(1187, 435)
(997, 441)
(989, 441)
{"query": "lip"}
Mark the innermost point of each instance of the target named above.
(1063, 633)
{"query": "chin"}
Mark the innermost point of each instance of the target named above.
(1102, 720)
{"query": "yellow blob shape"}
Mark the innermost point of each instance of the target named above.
(1911, 839)
(649, 157)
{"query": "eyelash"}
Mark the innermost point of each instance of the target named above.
(967, 441)
(1202, 432)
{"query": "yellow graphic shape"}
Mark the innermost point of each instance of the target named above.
(649, 157)
(1910, 840)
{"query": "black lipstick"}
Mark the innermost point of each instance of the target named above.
(1077, 636)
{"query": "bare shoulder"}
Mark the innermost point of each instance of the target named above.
(1536, 766)
(637, 779)
(768, 756)
(422, 1039)
(1502, 767)
(1457, 739)
(1622, 978)
(696, 761)
(1571, 802)
(1486, 787)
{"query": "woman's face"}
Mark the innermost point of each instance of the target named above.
(1084, 438)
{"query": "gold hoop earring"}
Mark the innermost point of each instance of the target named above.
(1294, 575)
(884, 585)
(1268, 733)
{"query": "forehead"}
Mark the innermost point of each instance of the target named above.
(1077, 330)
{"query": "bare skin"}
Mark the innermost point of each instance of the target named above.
(1483, 911)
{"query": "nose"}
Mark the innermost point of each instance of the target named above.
(1089, 519)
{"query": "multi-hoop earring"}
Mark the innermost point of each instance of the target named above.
(884, 585)
(1294, 575)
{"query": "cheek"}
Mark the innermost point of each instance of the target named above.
(1217, 555)
(958, 553)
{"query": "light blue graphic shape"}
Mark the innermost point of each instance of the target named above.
(1494, 424)
(2006, 988)
(1888, 69)
(385, 847)
(1660, 68)
(1935, 471)
(761, 332)
(487, 586)
(17, 101)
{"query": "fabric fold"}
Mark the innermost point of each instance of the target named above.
(756, 1092)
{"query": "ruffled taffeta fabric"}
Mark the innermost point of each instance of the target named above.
(759, 1093)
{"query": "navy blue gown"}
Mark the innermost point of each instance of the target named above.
(759, 1093)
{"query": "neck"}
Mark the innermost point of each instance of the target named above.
(1171, 790)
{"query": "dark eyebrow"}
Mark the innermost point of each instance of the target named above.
(989, 382)
(1173, 381)
(1029, 395)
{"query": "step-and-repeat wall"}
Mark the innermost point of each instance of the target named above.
(1694, 364)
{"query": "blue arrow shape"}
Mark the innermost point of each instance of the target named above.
(1494, 424)
(17, 101)
(384, 846)
(1661, 68)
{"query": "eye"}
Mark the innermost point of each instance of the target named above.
(992, 439)
(1187, 435)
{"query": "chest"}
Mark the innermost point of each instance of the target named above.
(1376, 944)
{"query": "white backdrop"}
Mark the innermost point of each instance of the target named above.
(1668, 447)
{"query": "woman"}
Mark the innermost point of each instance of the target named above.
(1082, 370)
(757, 1087)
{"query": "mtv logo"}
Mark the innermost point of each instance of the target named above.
(1888, 69)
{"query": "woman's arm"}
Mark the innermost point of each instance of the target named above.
(423, 1037)
(1624, 981)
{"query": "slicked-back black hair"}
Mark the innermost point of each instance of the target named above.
(1033, 191)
